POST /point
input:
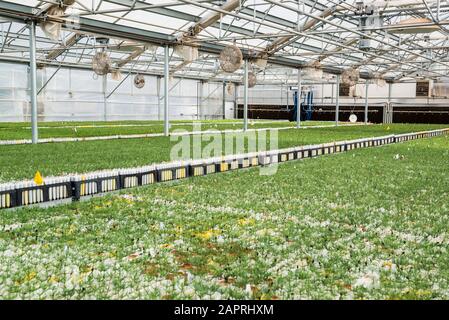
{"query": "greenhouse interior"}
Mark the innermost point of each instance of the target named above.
(224, 150)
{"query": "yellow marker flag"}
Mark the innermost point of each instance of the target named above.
(38, 178)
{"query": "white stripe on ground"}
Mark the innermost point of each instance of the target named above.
(152, 135)
(146, 125)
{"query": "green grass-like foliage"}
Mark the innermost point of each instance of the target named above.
(22, 161)
(75, 129)
(362, 224)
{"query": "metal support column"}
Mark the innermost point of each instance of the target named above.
(236, 101)
(245, 98)
(332, 93)
(389, 117)
(33, 83)
(337, 100)
(105, 97)
(298, 102)
(200, 95)
(158, 92)
(366, 101)
(166, 84)
(224, 100)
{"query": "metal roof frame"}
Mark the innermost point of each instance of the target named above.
(253, 26)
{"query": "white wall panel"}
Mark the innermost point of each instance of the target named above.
(74, 94)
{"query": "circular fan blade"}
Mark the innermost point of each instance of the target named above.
(101, 63)
(139, 81)
(231, 59)
(350, 77)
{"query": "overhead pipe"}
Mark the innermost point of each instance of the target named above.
(279, 60)
(132, 56)
(274, 46)
(33, 83)
(245, 97)
(382, 4)
(209, 20)
(166, 91)
(215, 49)
(70, 42)
(205, 22)
(350, 30)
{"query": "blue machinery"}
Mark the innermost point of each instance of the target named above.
(306, 105)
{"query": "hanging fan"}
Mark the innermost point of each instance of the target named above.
(314, 71)
(52, 29)
(101, 63)
(139, 81)
(231, 58)
(350, 77)
(252, 79)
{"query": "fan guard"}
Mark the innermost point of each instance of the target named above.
(231, 58)
(350, 77)
(101, 63)
(139, 81)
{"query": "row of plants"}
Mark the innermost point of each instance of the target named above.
(367, 224)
